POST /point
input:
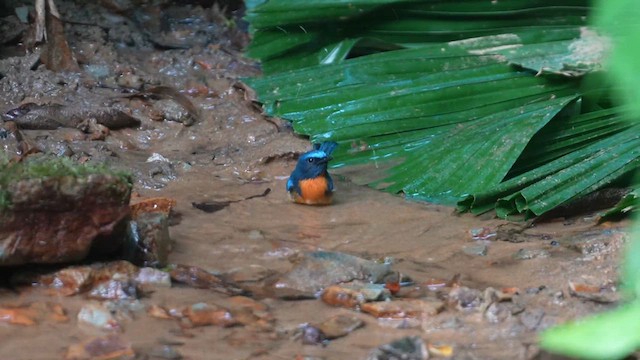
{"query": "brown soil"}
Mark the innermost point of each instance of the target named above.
(232, 152)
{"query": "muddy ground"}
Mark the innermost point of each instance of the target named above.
(223, 149)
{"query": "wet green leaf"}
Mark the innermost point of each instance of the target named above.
(629, 203)
(447, 118)
(290, 34)
(442, 114)
(570, 57)
(568, 177)
(611, 335)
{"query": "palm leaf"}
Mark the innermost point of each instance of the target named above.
(629, 203)
(444, 101)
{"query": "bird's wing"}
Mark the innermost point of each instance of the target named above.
(329, 183)
(292, 184)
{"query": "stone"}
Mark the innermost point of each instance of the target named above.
(407, 348)
(158, 312)
(114, 290)
(320, 269)
(403, 308)
(60, 218)
(98, 316)
(203, 314)
(340, 325)
(200, 278)
(531, 318)
(595, 242)
(106, 347)
(98, 279)
(476, 250)
(153, 277)
(528, 254)
(33, 314)
(148, 241)
(353, 295)
(599, 294)
(464, 298)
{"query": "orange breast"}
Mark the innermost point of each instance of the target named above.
(314, 192)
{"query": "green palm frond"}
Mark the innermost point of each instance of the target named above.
(483, 104)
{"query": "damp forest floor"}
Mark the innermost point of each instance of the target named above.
(229, 152)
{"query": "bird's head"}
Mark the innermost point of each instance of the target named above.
(312, 164)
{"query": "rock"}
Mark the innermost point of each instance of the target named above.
(339, 326)
(162, 205)
(527, 254)
(54, 116)
(148, 242)
(98, 316)
(114, 290)
(158, 312)
(531, 318)
(250, 274)
(483, 233)
(153, 277)
(173, 111)
(68, 281)
(155, 173)
(79, 279)
(476, 250)
(33, 313)
(403, 308)
(107, 347)
(492, 295)
(465, 298)
(595, 242)
(320, 269)
(593, 293)
(124, 309)
(202, 279)
(60, 218)
(202, 314)
(407, 348)
(311, 335)
(497, 305)
(250, 312)
(353, 294)
(497, 312)
(13, 143)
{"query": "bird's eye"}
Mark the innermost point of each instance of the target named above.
(310, 160)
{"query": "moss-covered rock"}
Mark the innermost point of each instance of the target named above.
(53, 211)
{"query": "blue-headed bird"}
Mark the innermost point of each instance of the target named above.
(310, 183)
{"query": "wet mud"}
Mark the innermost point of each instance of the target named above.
(496, 284)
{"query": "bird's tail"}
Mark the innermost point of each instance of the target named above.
(327, 147)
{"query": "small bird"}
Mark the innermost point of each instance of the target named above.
(310, 183)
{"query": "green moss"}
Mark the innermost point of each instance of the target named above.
(41, 167)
